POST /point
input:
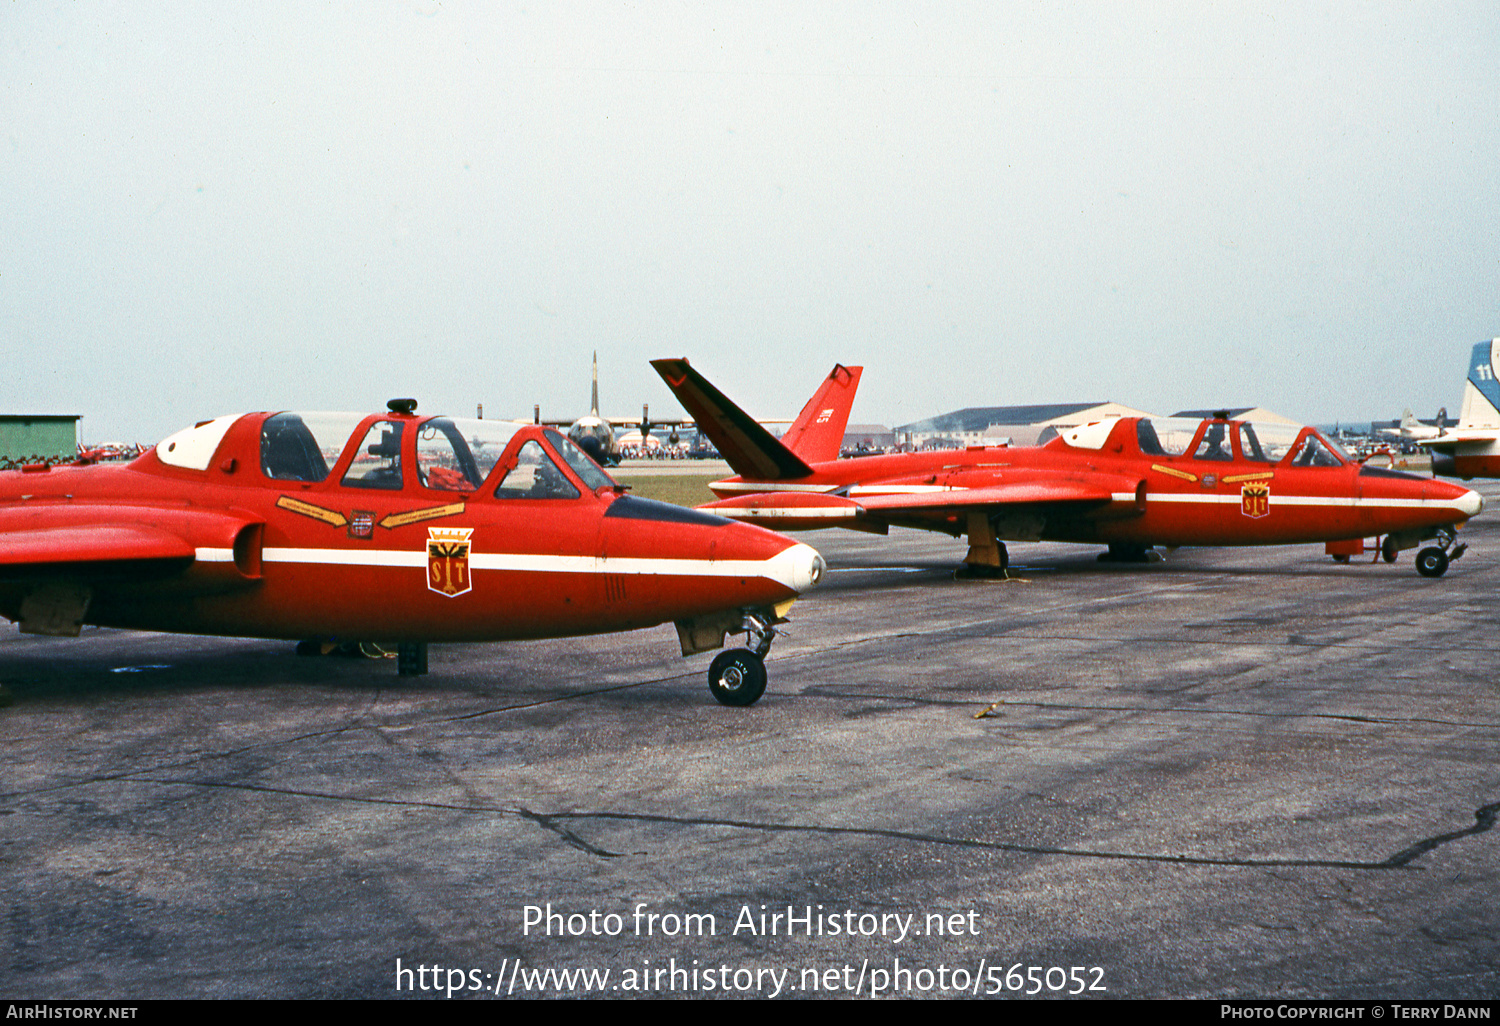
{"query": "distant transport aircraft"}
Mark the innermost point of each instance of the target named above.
(1472, 449)
(595, 435)
(1413, 430)
(393, 527)
(1129, 483)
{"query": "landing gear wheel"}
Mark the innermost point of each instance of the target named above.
(1125, 552)
(737, 677)
(1432, 562)
(411, 659)
(1388, 550)
(1341, 559)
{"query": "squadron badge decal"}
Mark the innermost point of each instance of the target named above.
(1255, 499)
(448, 560)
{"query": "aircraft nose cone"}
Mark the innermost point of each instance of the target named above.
(1470, 503)
(816, 571)
(799, 567)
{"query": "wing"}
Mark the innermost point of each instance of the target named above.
(55, 558)
(873, 507)
(94, 549)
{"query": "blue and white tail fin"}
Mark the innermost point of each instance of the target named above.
(1481, 407)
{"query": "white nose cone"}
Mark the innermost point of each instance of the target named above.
(1470, 503)
(798, 566)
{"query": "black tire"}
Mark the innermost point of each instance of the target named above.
(1388, 551)
(737, 677)
(1341, 559)
(1432, 562)
(1125, 552)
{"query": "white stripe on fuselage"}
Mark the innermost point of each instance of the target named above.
(791, 512)
(520, 561)
(757, 488)
(1343, 501)
(1199, 498)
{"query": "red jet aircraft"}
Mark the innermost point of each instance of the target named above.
(330, 527)
(1130, 483)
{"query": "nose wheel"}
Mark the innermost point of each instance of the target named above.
(738, 676)
(1434, 559)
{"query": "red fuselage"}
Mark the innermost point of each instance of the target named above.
(412, 538)
(1115, 482)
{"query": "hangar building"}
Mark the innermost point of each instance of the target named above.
(994, 425)
(23, 435)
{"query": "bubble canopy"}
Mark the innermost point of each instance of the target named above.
(447, 453)
(1258, 442)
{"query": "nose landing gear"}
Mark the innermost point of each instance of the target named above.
(1434, 559)
(738, 676)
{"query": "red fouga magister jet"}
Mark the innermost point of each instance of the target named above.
(1130, 483)
(329, 527)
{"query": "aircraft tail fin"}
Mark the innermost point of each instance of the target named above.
(752, 451)
(817, 435)
(594, 399)
(1409, 419)
(1481, 407)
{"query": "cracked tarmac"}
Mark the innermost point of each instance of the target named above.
(1230, 774)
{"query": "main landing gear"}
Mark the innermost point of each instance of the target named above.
(411, 656)
(1433, 560)
(974, 571)
(987, 556)
(738, 676)
(1126, 552)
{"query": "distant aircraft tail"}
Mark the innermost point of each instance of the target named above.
(817, 435)
(1481, 407)
(751, 451)
(594, 399)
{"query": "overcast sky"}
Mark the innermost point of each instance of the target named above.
(215, 207)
